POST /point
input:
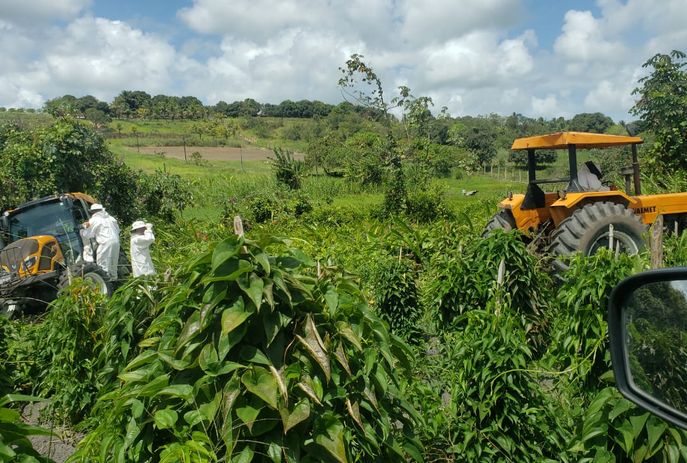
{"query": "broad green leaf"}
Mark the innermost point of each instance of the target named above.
(225, 250)
(620, 407)
(208, 358)
(245, 456)
(300, 413)
(333, 442)
(166, 418)
(234, 316)
(262, 384)
(254, 355)
(655, 429)
(254, 289)
(248, 415)
(274, 452)
(309, 391)
(264, 261)
(189, 330)
(226, 343)
(182, 391)
(332, 299)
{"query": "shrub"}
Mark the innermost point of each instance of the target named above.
(579, 341)
(256, 355)
(396, 297)
(427, 205)
(66, 346)
(613, 429)
(163, 194)
(467, 279)
(289, 171)
(479, 400)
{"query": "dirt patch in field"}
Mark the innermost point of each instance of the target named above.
(214, 153)
(61, 445)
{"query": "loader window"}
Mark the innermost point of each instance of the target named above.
(44, 219)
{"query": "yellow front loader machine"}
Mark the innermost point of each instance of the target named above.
(41, 248)
(586, 215)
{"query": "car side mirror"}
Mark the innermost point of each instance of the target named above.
(647, 323)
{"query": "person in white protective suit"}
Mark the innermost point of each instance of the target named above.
(141, 238)
(103, 228)
(87, 254)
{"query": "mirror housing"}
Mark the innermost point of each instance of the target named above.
(647, 313)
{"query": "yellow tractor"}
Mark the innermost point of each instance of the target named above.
(41, 248)
(586, 215)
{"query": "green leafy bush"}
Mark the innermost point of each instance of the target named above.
(396, 296)
(267, 205)
(466, 278)
(254, 355)
(66, 347)
(579, 342)
(479, 400)
(289, 170)
(427, 205)
(163, 194)
(613, 429)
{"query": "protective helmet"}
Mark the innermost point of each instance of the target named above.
(138, 225)
(96, 207)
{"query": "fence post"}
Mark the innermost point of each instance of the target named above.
(657, 243)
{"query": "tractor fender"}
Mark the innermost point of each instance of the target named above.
(571, 200)
(565, 206)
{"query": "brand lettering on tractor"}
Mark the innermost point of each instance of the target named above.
(644, 210)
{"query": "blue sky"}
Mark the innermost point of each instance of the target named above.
(536, 57)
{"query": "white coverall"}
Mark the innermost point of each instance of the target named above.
(105, 230)
(141, 263)
(87, 249)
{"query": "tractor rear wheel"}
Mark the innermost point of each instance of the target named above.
(92, 274)
(588, 229)
(502, 220)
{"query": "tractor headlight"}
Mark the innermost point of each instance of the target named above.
(510, 196)
(562, 194)
(29, 262)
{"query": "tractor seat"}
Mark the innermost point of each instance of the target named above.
(589, 178)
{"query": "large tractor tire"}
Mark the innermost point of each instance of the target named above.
(588, 229)
(502, 220)
(93, 275)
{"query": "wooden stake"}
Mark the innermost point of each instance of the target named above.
(657, 243)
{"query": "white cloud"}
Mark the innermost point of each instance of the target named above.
(28, 12)
(296, 64)
(102, 56)
(90, 56)
(476, 60)
(608, 97)
(465, 55)
(436, 21)
(583, 40)
(545, 107)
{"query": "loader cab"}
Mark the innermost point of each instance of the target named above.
(57, 216)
